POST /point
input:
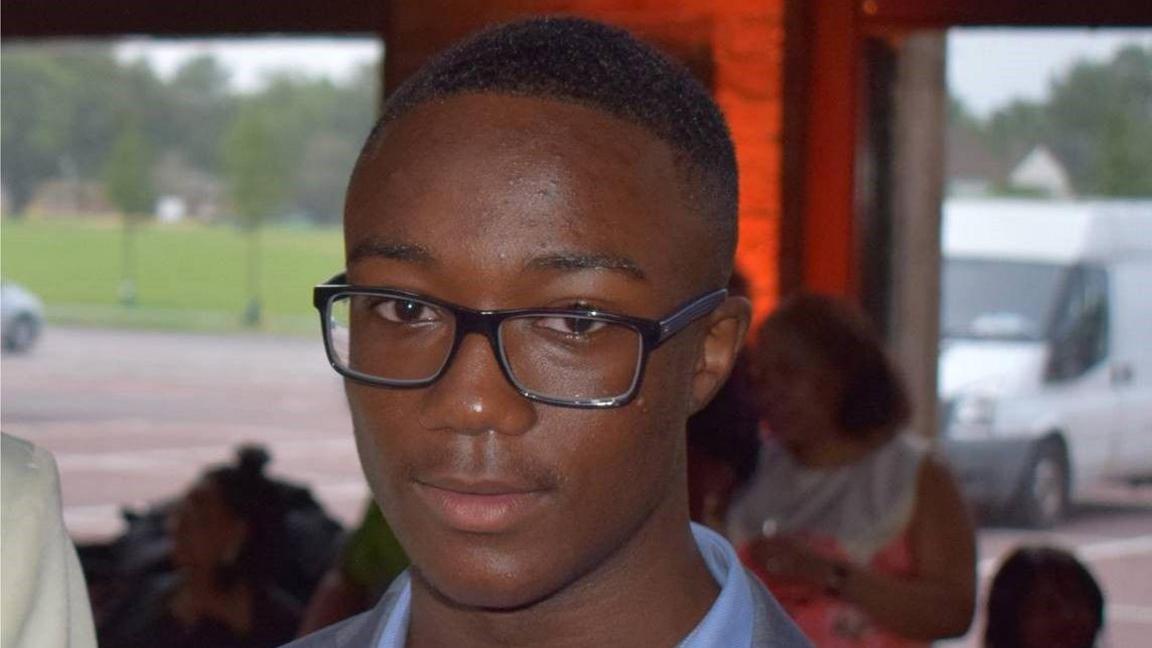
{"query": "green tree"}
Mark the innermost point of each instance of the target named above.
(128, 173)
(322, 176)
(1101, 119)
(1121, 165)
(257, 182)
(29, 145)
(961, 116)
(200, 106)
(63, 107)
(1097, 119)
(37, 94)
(1016, 128)
(128, 182)
(319, 125)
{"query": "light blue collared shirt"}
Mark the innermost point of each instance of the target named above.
(728, 623)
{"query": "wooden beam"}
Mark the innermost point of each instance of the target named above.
(926, 14)
(110, 18)
(831, 130)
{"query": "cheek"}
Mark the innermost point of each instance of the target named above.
(641, 447)
(379, 419)
(618, 468)
(627, 458)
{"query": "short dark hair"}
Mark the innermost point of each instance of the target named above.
(605, 68)
(872, 397)
(1017, 579)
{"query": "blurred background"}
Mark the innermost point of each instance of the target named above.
(169, 202)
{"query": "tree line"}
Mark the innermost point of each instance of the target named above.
(1096, 120)
(77, 112)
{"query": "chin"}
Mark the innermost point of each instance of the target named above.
(489, 581)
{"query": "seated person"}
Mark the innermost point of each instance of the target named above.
(862, 536)
(227, 532)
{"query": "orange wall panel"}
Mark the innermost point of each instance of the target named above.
(830, 145)
(748, 54)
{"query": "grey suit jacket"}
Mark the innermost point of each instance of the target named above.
(771, 626)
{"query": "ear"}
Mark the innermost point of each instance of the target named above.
(727, 327)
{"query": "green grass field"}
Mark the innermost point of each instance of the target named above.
(189, 277)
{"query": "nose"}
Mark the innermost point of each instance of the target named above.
(473, 396)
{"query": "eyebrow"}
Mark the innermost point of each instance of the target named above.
(562, 261)
(577, 261)
(384, 249)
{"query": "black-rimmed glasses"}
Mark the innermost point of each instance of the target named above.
(571, 357)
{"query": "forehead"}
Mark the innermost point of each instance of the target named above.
(486, 184)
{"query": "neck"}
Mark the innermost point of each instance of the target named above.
(199, 596)
(651, 592)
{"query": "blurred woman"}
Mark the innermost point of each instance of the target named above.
(862, 536)
(225, 533)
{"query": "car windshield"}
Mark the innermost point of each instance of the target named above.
(1001, 300)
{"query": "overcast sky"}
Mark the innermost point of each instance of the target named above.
(989, 67)
(986, 67)
(251, 59)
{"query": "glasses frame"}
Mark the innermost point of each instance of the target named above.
(652, 333)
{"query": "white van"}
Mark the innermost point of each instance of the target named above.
(1045, 369)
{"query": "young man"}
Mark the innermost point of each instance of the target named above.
(538, 233)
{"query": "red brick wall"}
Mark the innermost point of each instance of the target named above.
(748, 53)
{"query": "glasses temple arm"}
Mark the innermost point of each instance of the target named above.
(690, 313)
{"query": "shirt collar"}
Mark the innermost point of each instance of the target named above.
(730, 619)
(396, 622)
(727, 624)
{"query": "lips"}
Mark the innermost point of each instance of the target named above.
(480, 506)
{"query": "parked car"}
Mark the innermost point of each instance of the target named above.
(1045, 369)
(21, 317)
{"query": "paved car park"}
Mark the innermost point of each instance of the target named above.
(134, 417)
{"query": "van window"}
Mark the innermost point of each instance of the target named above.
(1080, 329)
(1003, 300)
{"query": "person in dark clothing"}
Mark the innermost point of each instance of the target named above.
(226, 532)
(723, 441)
(1043, 596)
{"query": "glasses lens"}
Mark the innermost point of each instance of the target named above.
(393, 338)
(571, 358)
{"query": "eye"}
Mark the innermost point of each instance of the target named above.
(575, 326)
(405, 311)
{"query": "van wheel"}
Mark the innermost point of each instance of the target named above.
(1043, 498)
